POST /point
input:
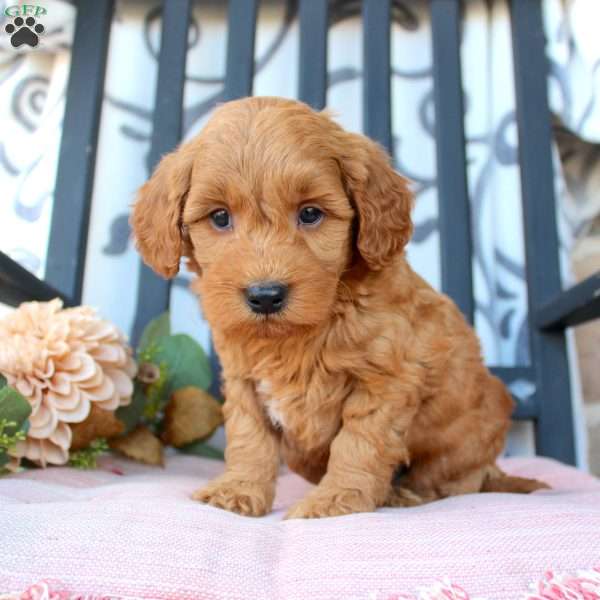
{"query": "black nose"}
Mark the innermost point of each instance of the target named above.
(266, 297)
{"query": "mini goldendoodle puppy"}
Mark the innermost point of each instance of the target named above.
(336, 355)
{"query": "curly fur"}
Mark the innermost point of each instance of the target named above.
(368, 369)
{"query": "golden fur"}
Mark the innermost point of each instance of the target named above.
(367, 369)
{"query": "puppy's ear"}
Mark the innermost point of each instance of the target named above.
(156, 216)
(381, 198)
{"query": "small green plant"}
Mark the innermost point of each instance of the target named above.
(8, 440)
(87, 458)
(156, 396)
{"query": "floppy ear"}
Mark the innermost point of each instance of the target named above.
(156, 216)
(381, 198)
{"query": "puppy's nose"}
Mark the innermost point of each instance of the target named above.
(266, 297)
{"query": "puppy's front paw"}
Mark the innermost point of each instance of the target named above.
(331, 503)
(243, 497)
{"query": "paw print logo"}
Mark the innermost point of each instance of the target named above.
(24, 31)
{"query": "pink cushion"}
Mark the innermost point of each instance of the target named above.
(131, 530)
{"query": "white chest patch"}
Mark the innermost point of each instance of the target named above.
(274, 413)
(264, 390)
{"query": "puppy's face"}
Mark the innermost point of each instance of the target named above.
(270, 230)
(272, 202)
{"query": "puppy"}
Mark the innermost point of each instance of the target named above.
(336, 356)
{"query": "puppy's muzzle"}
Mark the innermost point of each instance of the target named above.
(266, 297)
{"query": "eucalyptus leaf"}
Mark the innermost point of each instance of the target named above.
(156, 329)
(131, 414)
(186, 362)
(4, 458)
(13, 408)
(203, 449)
(2, 381)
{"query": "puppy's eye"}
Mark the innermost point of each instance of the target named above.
(220, 218)
(310, 215)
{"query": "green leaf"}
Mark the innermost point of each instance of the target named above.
(131, 414)
(186, 362)
(13, 408)
(203, 449)
(2, 381)
(156, 329)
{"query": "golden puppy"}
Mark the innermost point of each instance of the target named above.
(336, 355)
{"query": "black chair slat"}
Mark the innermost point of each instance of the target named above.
(512, 374)
(76, 163)
(241, 32)
(377, 111)
(579, 304)
(19, 285)
(168, 106)
(454, 209)
(526, 408)
(153, 291)
(314, 22)
(239, 76)
(554, 431)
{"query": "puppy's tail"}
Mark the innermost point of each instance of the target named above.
(498, 481)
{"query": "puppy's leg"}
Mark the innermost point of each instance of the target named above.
(252, 457)
(490, 479)
(363, 455)
(498, 481)
(402, 496)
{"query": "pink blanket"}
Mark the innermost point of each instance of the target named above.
(131, 531)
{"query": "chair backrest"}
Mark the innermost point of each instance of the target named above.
(550, 406)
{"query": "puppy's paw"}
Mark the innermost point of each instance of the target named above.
(243, 497)
(331, 503)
